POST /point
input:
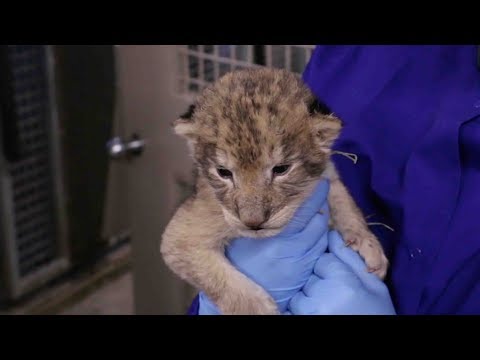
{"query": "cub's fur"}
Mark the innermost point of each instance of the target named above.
(261, 142)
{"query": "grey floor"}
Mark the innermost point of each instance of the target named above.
(114, 298)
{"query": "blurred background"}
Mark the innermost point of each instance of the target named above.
(90, 171)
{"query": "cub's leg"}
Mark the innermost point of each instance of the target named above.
(348, 219)
(193, 248)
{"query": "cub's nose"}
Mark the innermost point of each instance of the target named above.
(254, 224)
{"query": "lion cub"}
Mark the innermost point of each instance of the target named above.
(261, 142)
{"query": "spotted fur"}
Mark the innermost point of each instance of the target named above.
(248, 123)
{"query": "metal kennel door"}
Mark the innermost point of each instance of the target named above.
(32, 232)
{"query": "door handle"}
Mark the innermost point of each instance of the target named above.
(118, 148)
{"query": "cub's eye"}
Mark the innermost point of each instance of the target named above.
(280, 170)
(224, 173)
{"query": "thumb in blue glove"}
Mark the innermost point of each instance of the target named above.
(341, 285)
(282, 264)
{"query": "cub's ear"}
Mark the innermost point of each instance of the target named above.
(316, 107)
(185, 125)
(326, 125)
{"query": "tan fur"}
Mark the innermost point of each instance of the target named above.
(249, 122)
(348, 220)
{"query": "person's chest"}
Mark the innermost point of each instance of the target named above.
(411, 116)
(452, 265)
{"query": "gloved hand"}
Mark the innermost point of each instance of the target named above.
(282, 264)
(341, 285)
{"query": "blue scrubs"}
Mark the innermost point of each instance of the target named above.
(412, 116)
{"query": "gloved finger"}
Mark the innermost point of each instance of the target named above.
(337, 246)
(350, 257)
(319, 288)
(310, 242)
(296, 305)
(313, 285)
(318, 223)
(308, 209)
(324, 211)
(319, 248)
(303, 305)
(328, 266)
(313, 241)
(316, 229)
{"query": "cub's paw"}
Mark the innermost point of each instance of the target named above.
(370, 249)
(246, 298)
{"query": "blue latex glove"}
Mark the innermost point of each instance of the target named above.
(341, 285)
(282, 264)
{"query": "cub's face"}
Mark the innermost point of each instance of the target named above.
(262, 141)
